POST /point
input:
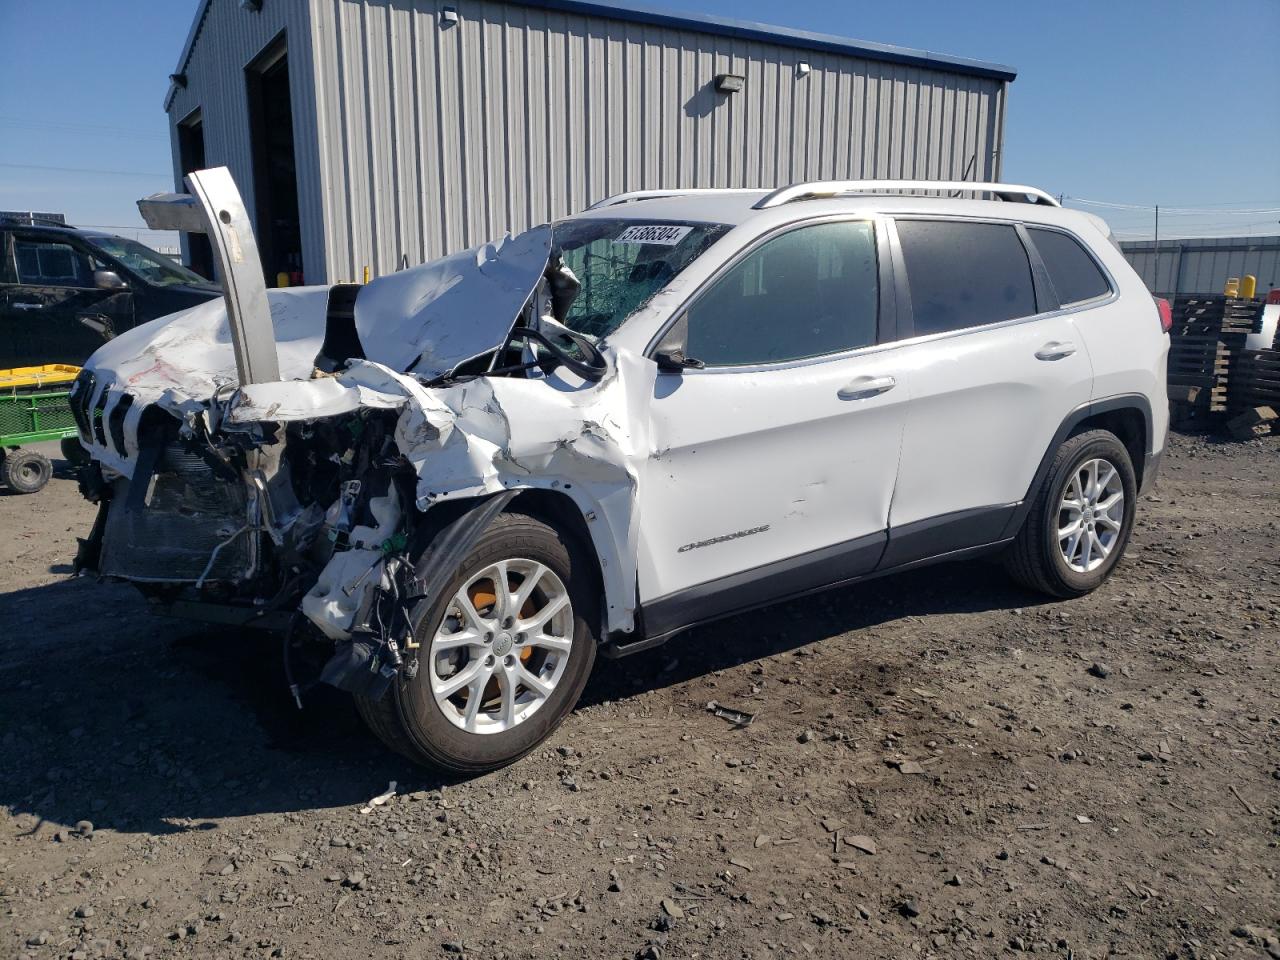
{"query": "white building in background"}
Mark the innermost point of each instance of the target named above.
(371, 133)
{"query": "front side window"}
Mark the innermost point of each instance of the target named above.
(1074, 274)
(810, 292)
(51, 263)
(153, 267)
(621, 264)
(965, 274)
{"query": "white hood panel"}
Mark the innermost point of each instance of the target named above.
(430, 319)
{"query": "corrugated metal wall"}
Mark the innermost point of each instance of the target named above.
(228, 39)
(1203, 265)
(416, 137)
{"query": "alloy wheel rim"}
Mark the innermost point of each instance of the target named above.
(502, 647)
(1090, 515)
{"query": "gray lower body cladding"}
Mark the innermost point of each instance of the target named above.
(188, 512)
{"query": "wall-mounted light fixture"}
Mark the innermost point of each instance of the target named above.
(802, 69)
(448, 15)
(253, 6)
(729, 82)
(178, 79)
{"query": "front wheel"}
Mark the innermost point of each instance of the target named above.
(502, 653)
(1080, 520)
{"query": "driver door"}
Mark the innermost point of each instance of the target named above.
(773, 466)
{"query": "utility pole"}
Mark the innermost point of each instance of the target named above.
(1155, 248)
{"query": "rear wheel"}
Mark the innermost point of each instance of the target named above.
(25, 471)
(503, 653)
(1080, 521)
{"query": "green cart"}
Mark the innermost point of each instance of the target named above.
(34, 407)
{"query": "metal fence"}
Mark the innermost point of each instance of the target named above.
(1204, 265)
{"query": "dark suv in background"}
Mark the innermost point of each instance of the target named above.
(63, 290)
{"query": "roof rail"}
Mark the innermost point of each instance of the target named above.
(821, 189)
(634, 195)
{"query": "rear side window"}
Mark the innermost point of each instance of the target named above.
(965, 274)
(51, 263)
(810, 292)
(1074, 273)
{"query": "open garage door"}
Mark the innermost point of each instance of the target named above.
(275, 182)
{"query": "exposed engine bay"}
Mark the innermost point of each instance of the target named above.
(328, 502)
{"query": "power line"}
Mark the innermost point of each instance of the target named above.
(1196, 235)
(114, 173)
(1179, 211)
(78, 127)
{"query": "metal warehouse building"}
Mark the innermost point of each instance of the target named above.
(373, 133)
(1204, 265)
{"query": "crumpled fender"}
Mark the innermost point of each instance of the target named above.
(492, 434)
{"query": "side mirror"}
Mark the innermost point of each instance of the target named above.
(108, 280)
(674, 361)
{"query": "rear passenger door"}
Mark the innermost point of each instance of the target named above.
(993, 368)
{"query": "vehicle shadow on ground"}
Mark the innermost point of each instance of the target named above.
(969, 587)
(142, 724)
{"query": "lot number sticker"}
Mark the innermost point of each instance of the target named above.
(666, 235)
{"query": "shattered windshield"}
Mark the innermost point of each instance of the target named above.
(623, 263)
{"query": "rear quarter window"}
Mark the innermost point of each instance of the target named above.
(965, 274)
(1073, 272)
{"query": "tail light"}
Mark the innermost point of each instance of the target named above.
(1166, 314)
(1274, 296)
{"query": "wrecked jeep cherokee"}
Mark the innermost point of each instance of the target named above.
(450, 487)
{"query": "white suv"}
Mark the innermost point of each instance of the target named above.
(467, 477)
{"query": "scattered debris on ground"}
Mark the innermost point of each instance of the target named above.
(939, 765)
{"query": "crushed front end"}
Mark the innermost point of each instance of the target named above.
(326, 503)
(306, 526)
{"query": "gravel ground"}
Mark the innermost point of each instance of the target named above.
(940, 765)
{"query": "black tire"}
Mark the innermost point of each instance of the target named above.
(73, 452)
(25, 471)
(1035, 558)
(408, 719)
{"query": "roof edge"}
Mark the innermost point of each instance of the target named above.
(185, 56)
(718, 26)
(781, 36)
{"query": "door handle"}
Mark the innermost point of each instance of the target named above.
(28, 306)
(1056, 350)
(862, 388)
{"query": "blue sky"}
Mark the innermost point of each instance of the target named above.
(1131, 102)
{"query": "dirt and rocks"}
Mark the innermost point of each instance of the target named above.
(940, 765)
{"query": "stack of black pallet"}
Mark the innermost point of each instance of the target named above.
(1206, 343)
(1255, 391)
